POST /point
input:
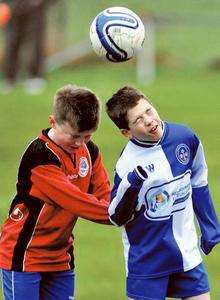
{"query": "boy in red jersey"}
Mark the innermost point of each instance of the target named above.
(61, 177)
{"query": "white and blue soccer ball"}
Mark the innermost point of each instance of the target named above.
(117, 33)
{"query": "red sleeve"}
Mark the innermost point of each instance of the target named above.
(100, 185)
(52, 182)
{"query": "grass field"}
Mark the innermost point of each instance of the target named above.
(187, 93)
(189, 96)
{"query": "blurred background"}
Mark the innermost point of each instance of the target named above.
(179, 69)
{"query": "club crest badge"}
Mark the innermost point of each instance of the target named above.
(16, 214)
(182, 153)
(83, 167)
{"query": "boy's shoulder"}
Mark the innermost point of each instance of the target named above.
(179, 128)
(126, 158)
(39, 152)
(179, 132)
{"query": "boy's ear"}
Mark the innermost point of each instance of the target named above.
(126, 133)
(52, 121)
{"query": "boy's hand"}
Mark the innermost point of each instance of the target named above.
(206, 246)
(137, 176)
(136, 179)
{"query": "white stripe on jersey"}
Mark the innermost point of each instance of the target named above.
(200, 170)
(186, 243)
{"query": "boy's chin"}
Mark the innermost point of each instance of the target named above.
(70, 149)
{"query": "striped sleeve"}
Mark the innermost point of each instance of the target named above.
(123, 199)
(52, 182)
(203, 204)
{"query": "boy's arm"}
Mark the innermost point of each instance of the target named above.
(57, 189)
(124, 196)
(202, 203)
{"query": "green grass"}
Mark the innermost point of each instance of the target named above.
(187, 95)
(185, 91)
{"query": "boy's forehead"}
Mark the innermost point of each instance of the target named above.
(69, 126)
(139, 108)
(74, 130)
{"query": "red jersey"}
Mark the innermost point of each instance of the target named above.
(54, 188)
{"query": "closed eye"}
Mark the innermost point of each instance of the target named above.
(138, 120)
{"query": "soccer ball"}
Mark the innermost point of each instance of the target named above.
(117, 33)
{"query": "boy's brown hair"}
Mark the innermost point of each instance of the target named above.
(78, 106)
(118, 105)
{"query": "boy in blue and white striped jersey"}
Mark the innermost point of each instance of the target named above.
(160, 182)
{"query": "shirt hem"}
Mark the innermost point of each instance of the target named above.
(38, 268)
(154, 275)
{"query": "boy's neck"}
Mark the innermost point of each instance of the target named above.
(145, 142)
(51, 135)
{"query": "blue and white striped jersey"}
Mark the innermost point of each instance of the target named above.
(159, 234)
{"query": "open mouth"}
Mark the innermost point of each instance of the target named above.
(154, 129)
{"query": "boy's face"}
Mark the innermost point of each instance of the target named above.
(144, 122)
(67, 137)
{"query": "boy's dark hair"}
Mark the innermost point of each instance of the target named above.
(118, 105)
(78, 106)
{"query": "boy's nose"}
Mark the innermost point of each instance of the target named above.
(78, 143)
(147, 120)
